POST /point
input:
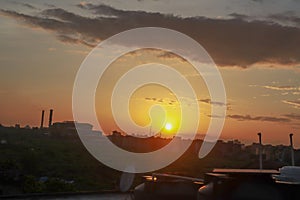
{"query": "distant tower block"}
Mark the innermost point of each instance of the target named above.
(50, 117)
(42, 119)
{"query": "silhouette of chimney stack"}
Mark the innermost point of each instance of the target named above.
(260, 150)
(292, 149)
(42, 119)
(50, 118)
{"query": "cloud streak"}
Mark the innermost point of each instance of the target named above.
(287, 17)
(282, 88)
(166, 101)
(230, 42)
(258, 118)
(293, 116)
(208, 101)
(28, 6)
(285, 90)
(295, 103)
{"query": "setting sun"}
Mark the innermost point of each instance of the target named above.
(168, 126)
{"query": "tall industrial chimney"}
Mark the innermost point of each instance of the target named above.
(292, 149)
(42, 119)
(260, 151)
(50, 117)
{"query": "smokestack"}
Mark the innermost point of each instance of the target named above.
(292, 149)
(260, 151)
(42, 119)
(50, 117)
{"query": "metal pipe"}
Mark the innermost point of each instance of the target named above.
(292, 149)
(260, 151)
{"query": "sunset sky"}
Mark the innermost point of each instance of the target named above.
(254, 43)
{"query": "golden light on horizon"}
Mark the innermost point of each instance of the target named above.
(145, 100)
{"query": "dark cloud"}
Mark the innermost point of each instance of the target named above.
(170, 55)
(204, 100)
(101, 9)
(50, 5)
(66, 25)
(286, 17)
(230, 42)
(166, 101)
(208, 101)
(73, 40)
(45, 23)
(215, 116)
(257, 1)
(28, 6)
(293, 116)
(239, 16)
(151, 99)
(258, 118)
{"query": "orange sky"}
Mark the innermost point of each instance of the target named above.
(39, 63)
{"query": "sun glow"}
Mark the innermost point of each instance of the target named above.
(168, 126)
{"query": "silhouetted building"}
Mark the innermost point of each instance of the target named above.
(69, 127)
